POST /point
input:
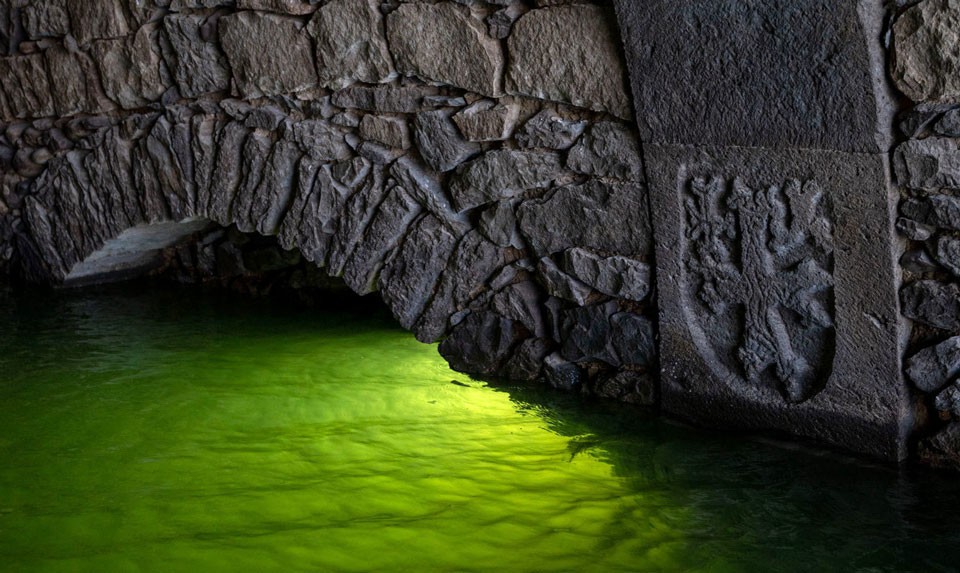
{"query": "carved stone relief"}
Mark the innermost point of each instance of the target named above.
(758, 266)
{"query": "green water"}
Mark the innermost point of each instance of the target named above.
(175, 431)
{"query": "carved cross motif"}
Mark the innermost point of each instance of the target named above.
(764, 254)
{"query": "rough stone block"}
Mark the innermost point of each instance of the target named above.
(931, 368)
(269, 54)
(926, 64)
(440, 142)
(777, 292)
(45, 19)
(445, 43)
(502, 174)
(130, 67)
(759, 73)
(549, 130)
(197, 63)
(621, 277)
(930, 164)
(569, 54)
(390, 131)
(611, 218)
(608, 150)
(933, 303)
(97, 20)
(487, 120)
(26, 87)
(350, 44)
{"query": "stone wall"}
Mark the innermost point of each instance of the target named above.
(925, 66)
(474, 162)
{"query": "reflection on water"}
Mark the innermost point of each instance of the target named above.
(175, 431)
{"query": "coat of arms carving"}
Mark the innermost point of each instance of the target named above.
(758, 284)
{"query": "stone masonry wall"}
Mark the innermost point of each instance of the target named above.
(476, 162)
(925, 65)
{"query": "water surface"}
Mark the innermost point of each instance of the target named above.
(168, 430)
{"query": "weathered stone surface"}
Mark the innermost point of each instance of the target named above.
(473, 262)
(949, 124)
(440, 142)
(609, 218)
(297, 7)
(918, 261)
(268, 54)
(526, 364)
(487, 120)
(422, 39)
(615, 276)
(197, 64)
(943, 449)
(913, 230)
(390, 131)
(926, 65)
(385, 231)
(408, 281)
(481, 343)
(933, 367)
(502, 174)
(549, 130)
(759, 73)
(383, 99)
(777, 292)
(601, 333)
(45, 19)
(932, 302)
(25, 88)
(130, 67)
(608, 150)
(562, 374)
(948, 401)
(630, 386)
(948, 254)
(929, 163)
(521, 302)
(568, 54)
(561, 285)
(938, 211)
(96, 20)
(350, 44)
(499, 224)
(75, 93)
(501, 22)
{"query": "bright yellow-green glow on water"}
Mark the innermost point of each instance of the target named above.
(175, 432)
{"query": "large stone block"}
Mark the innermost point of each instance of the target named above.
(569, 54)
(269, 54)
(197, 63)
(759, 73)
(445, 43)
(350, 44)
(926, 63)
(777, 292)
(130, 67)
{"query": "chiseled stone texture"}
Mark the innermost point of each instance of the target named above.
(197, 63)
(759, 73)
(445, 43)
(777, 292)
(269, 54)
(926, 51)
(350, 44)
(569, 54)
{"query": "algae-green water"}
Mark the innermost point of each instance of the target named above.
(167, 430)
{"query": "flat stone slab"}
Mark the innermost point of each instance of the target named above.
(759, 73)
(777, 292)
